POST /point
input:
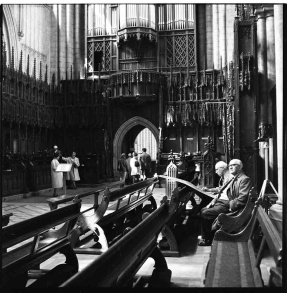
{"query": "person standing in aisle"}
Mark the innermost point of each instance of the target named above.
(73, 175)
(57, 177)
(145, 164)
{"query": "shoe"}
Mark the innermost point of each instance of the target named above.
(204, 242)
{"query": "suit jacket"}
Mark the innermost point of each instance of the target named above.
(238, 192)
(145, 160)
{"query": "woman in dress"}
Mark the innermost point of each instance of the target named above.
(57, 177)
(73, 175)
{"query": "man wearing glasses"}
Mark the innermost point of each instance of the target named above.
(232, 197)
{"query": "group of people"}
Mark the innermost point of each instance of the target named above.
(134, 168)
(231, 196)
(57, 176)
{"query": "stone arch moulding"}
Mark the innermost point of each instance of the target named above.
(11, 29)
(123, 130)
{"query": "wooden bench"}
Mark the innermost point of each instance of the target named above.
(6, 219)
(25, 245)
(234, 258)
(234, 221)
(123, 210)
(169, 244)
(118, 266)
(54, 202)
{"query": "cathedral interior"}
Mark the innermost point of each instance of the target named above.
(199, 81)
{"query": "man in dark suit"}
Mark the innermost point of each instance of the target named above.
(145, 164)
(232, 197)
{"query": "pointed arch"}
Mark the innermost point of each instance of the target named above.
(123, 130)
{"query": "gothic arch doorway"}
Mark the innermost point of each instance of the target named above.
(138, 122)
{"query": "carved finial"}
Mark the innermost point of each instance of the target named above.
(28, 69)
(12, 58)
(46, 74)
(71, 72)
(40, 75)
(85, 72)
(21, 61)
(34, 69)
(53, 80)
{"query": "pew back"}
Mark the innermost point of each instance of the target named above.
(27, 244)
(116, 266)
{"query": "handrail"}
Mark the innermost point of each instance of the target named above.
(194, 188)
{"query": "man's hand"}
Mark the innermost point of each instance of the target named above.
(204, 188)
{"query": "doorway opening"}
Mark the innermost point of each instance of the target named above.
(146, 139)
(136, 133)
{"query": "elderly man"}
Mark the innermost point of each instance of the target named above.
(221, 169)
(232, 197)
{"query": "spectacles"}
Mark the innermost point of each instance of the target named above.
(233, 165)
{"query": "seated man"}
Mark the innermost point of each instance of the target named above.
(232, 197)
(221, 169)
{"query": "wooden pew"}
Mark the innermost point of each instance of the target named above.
(123, 210)
(234, 221)
(6, 219)
(235, 260)
(25, 245)
(169, 244)
(117, 266)
(54, 202)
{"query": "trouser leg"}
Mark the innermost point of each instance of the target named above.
(208, 215)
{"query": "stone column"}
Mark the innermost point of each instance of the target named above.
(70, 37)
(230, 15)
(262, 71)
(270, 40)
(222, 33)
(62, 41)
(209, 36)
(276, 210)
(54, 44)
(77, 42)
(278, 17)
(215, 35)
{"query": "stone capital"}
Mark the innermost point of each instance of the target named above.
(264, 10)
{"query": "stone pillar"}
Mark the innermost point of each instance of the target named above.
(278, 17)
(230, 15)
(54, 43)
(222, 33)
(262, 71)
(209, 36)
(270, 40)
(215, 36)
(77, 42)
(276, 210)
(70, 37)
(62, 41)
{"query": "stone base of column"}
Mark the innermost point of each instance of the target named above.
(275, 215)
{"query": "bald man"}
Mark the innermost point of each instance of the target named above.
(233, 197)
(221, 169)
